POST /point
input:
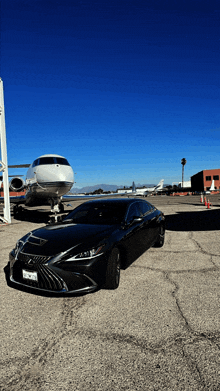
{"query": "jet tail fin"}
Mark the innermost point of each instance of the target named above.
(160, 185)
(133, 187)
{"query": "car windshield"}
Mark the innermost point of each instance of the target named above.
(96, 213)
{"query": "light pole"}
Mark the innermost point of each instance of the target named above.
(183, 162)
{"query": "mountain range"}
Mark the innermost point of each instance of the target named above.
(104, 187)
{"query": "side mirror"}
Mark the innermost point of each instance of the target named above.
(137, 219)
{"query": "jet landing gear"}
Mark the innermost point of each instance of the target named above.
(61, 207)
(56, 207)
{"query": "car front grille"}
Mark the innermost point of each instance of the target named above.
(47, 278)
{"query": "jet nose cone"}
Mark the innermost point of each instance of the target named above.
(54, 173)
(63, 174)
(60, 177)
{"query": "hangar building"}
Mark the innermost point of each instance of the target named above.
(203, 180)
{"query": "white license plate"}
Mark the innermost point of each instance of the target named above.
(29, 275)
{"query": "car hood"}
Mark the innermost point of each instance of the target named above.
(54, 239)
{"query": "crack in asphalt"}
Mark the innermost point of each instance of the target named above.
(31, 366)
(210, 269)
(39, 355)
(193, 368)
(205, 252)
(202, 250)
(162, 346)
(201, 336)
(174, 293)
(196, 336)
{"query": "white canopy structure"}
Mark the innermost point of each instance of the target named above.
(3, 161)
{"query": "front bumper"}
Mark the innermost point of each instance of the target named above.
(76, 277)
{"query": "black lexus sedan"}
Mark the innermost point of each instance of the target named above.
(88, 248)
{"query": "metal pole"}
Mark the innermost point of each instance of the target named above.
(182, 174)
(4, 162)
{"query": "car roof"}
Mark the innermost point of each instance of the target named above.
(125, 201)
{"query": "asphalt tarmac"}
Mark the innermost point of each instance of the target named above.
(160, 330)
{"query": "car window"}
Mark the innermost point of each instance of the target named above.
(144, 207)
(98, 213)
(133, 211)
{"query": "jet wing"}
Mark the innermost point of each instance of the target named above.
(19, 166)
(10, 176)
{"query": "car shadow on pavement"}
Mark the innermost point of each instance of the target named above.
(36, 216)
(207, 220)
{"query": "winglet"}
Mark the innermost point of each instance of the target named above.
(212, 188)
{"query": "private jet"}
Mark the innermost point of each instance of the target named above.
(48, 180)
(144, 192)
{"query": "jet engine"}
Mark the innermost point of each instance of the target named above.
(16, 184)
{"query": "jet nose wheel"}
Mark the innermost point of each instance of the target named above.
(55, 219)
(56, 206)
(61, 208)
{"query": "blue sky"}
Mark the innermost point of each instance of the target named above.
(124, 89)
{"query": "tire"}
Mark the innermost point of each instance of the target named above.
(113, 270)
(161, 237)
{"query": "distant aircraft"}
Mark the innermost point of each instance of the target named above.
(144, 192)
(149, 190)
(48, 179)
(212, 188)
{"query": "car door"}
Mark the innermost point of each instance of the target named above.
(146, 233)
(132, 233)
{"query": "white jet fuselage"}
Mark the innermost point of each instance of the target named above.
(45, 181)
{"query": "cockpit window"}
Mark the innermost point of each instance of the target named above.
(47, 160)
(62, 161)
(36, 162)
(51, 160)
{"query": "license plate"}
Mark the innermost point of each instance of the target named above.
(29, 275)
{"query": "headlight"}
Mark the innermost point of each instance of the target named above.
(94, 252)
(90, 253)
